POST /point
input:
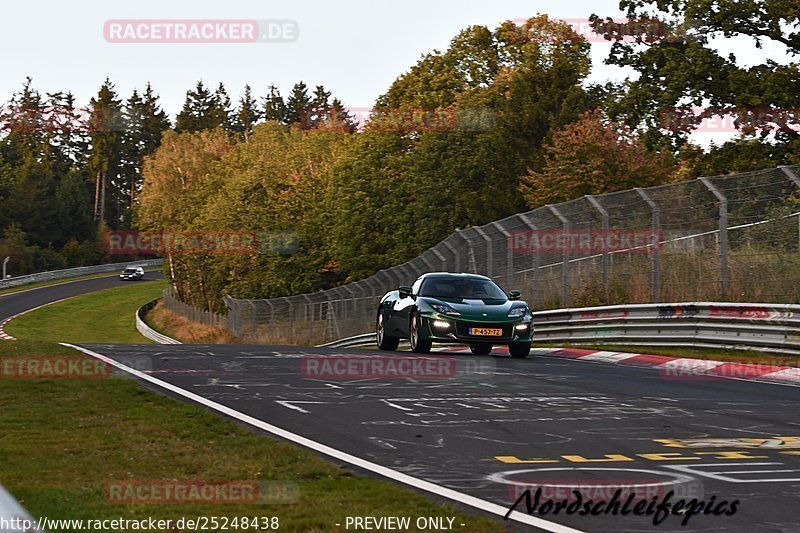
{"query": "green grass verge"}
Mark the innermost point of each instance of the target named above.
(105, 316)
(21, 288)
(63, 440)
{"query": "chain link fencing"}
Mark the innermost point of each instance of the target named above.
(726, 238)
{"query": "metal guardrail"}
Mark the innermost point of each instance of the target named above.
(72, 272)
(350, 342)
(755, 326)
(149, 332)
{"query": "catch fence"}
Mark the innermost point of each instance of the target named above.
(733, 238)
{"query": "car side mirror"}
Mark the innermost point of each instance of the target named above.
(405, 291)
(514, 295)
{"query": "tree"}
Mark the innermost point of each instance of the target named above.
(594, 156)
(297, 104)
(274, 106)
(682, 65)
(172, 174)
(106, 127)
(204, 110)
(146, 122)
(247, 114)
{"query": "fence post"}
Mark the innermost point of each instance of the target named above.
(233, 316)
(471, 264)
(456, 257)
(509, 254)
(310, 316)
(604, 213)
(564, 256)
(535, 297)
(489, 255)
(723, 235)
(791, 173)
(796, 180)
(656, 209)
(428, 264)
(440, 256)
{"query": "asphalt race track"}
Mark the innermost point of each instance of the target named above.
(26, 299)
(491, 426)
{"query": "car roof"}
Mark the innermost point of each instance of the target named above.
(463, 275)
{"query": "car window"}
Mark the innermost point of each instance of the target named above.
(462, 288)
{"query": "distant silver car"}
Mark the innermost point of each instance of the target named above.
(131, 272)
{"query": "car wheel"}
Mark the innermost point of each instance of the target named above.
(418, 344)
(480, 348)
(385, 342)
(519, 350)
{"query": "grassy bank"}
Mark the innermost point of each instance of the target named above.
(103, 316)
(65, 439)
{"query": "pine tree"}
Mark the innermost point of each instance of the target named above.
(155, 121)
(248, 113)
(69, 128)
(106, 126)
(297, 104)
(340, 117)
(274, 106)
(319, 110)
(222, 112)
(197, 111)
(146, 122)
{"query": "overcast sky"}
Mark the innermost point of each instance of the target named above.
(355, 48)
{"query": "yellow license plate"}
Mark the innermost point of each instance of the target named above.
(486, 332)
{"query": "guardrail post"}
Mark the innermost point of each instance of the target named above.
(656, 283)
(723, 235)
(564, 256)
(535, 297)
(604, 213)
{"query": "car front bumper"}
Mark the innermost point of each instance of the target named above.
(447, 329)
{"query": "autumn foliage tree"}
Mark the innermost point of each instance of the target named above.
(594, 156)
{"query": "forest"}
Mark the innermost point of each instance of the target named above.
(501, 121)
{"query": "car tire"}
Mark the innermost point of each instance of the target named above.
(519, 350)
(480, 348)
(418, 345)
(385, 342)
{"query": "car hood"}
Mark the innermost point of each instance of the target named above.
(479, 308)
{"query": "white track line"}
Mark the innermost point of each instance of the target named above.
(417, 483)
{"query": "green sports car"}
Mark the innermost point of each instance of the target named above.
(456, 309)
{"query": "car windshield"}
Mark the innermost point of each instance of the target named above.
(130, 270)
(477, 288)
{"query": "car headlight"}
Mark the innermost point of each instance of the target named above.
(517, 312)
(444, 309)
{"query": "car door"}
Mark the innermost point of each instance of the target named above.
(402, 310)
